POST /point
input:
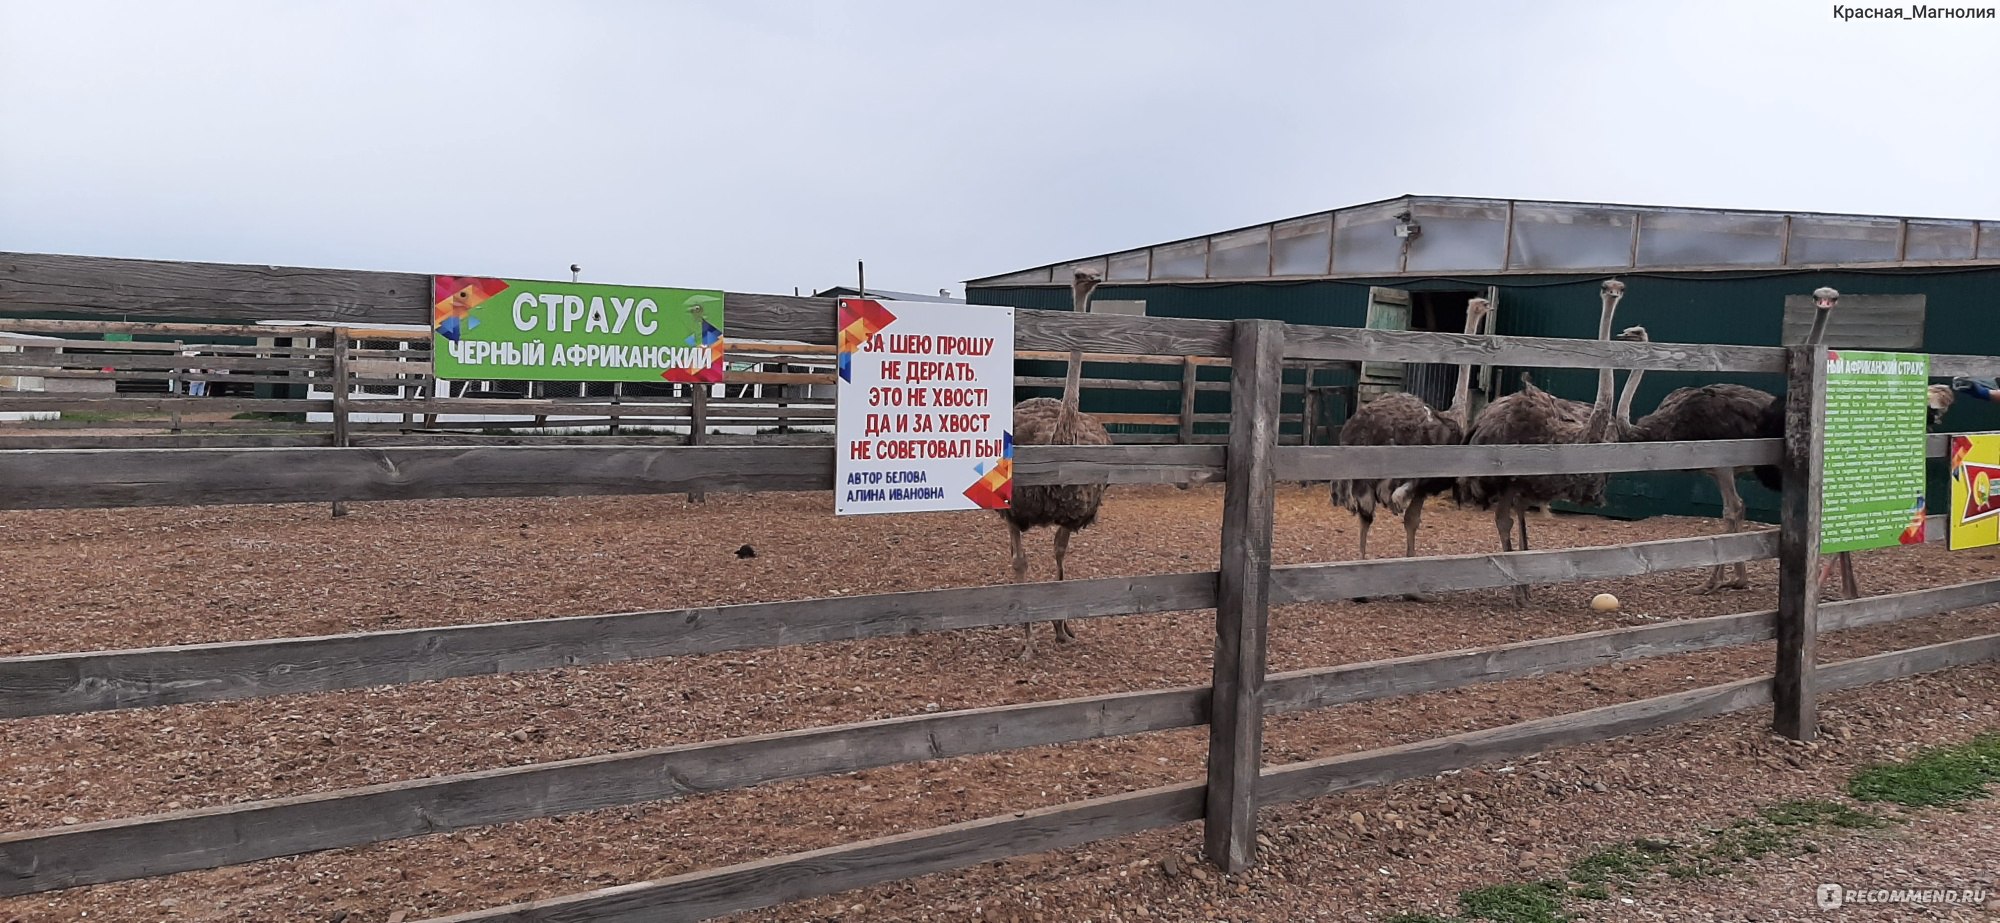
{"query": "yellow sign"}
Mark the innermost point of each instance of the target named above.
(1975, 505)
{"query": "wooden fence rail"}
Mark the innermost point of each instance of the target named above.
(231, 834)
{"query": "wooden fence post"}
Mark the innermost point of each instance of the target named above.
(1795, 689)
(698, 426)
(1236, 709)
(1189, 375)
(178, 384)
(340, 402)
(617, 397)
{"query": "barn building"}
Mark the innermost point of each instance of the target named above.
(1693, 275)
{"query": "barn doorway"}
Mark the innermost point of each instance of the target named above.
(1425, 311)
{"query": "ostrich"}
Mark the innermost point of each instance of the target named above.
(1577, 413)
(1534, 417)
(1718, 411)
(1068, 507)
(1404, 419)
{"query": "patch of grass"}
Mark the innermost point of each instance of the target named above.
(1624, 863)
(1819, 813)
(1939, 776)
(100, 416)
(1541, 902)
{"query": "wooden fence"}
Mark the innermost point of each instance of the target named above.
(375, 387)
(1233, 705)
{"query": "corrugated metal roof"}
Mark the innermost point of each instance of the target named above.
(1426, 235)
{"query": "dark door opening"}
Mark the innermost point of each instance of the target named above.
(1444, 312)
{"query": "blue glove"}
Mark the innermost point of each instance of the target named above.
(1975, 387)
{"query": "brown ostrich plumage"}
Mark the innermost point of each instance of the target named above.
(1404, 419)
(1717, 411)
(1069, 508)
(1535, 417)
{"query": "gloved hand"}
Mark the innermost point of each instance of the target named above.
(1975, 387)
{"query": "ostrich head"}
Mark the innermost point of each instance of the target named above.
(1476, 311)
(1634, 334)
(1081, 287)
(1938, 402)
(1825, 298)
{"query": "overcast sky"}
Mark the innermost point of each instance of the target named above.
(757, 145)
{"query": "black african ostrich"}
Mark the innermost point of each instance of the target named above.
(1535, 417)
(1070, 508)
(1404, 419)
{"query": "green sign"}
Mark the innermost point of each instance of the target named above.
(1872, 495)
(511, 329)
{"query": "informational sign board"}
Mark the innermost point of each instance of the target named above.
(518, 330)
(1975, 490)
(1872, 495)
(925, 407)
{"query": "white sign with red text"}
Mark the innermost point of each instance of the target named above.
(925, 407)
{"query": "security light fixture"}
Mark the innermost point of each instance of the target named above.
(1406, 228)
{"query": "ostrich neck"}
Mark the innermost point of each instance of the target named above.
(1600, 411)
(1625, 398)
(1818, 334)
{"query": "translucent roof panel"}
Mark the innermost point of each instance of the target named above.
(1425, 235)
(1939, 241)
(1552, 237)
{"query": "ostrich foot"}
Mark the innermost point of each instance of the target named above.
(1520, 597)
(1063, 632)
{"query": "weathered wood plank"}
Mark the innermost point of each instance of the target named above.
(1955, 366)
(1393, 764)
(1324, 463)
(142, 362)
(168, 376)
(1168, 464)
(149, 328)
(1802, 466)
(34, 283)
(44, 684)
(159, 405)
(43, 860)
(1361, 682)
(1243, 596)
(1862, 671)
(708, 894)
(154, 289)
(1355, 344)
(30, 440)
(1385, 576)
(1895, 607)
(90, 478)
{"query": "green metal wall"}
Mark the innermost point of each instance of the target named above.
(1744, 308)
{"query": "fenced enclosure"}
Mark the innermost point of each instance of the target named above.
(1233, 705)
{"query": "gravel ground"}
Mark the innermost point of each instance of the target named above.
(99, 579)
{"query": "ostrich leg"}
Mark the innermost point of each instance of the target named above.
(1504, 515)
(1411, 517)
(1732, 522)
(1367, 518)
(1020, 575)
(1062, 551)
